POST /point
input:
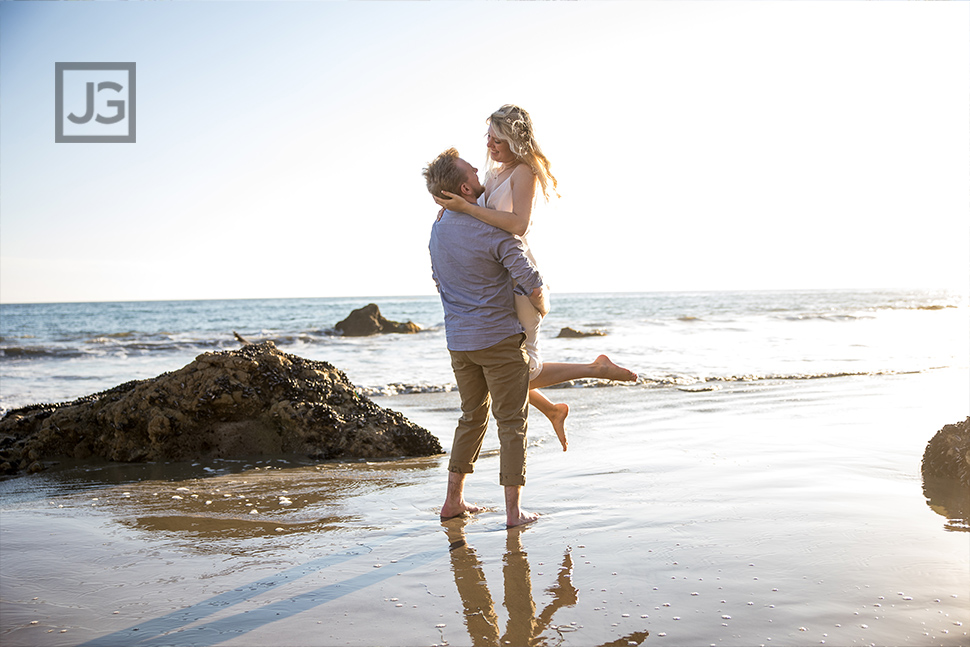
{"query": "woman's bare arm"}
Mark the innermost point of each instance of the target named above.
(539, 300)
(516, 221)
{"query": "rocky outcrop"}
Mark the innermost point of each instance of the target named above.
(573, 333)
(252, 401)
(369, 321)
(947, 455)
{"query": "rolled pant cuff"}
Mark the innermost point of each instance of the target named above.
(461, 468)
(511, 479)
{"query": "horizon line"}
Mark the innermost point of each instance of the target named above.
(964, 291)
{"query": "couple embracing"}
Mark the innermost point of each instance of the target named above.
(494, 299)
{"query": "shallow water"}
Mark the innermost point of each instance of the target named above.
(771, 512)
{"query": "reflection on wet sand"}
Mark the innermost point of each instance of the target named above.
(259, 501)
(950, 499)
(230, 528)
(525, 627)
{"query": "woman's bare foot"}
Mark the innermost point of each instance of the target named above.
(610, 371)
(558, 419)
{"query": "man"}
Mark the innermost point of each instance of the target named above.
(475, 267)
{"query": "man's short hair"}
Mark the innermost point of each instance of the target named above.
(443, 174)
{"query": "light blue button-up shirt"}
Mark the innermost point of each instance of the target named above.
(475, 267)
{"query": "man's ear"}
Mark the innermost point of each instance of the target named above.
(464, 189)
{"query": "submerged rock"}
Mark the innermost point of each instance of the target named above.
(369, 321)
(253, 401)
(573, 333)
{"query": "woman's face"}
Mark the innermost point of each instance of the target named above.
(499, 149)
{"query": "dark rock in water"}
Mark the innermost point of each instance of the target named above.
(573, 333)
(946, 474)
(369, 321)
(947, 455)
(252, 401)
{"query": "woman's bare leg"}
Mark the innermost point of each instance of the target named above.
(601, 367)
(556, 413)
(555, 373)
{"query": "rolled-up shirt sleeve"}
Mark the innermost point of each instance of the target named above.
(511, 253)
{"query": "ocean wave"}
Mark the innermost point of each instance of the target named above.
(869, 313)
(107, 338)
(399, 388)
(826, 317)
(139, 343)
(132, 343)
(709, 383)
(689, 383)
(696, 383)
(35, 352)
(96, 348)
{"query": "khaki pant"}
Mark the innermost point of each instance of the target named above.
(498, 375)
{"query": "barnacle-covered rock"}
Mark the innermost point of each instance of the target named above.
(253, 401)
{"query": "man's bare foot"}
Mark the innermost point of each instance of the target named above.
(460, 509)
(520, 519)
(558, 420)
(610, 371)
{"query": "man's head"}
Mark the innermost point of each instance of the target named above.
(448, 172)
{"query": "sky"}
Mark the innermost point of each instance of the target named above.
(698, 145)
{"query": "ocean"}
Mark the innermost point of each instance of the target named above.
(696, 340)
(759, 484)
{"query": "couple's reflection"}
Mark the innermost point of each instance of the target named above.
(525, 628)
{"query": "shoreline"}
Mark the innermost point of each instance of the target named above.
(789, 512)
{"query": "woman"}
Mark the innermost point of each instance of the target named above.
(516, 165)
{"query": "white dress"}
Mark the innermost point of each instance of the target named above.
(500, 199)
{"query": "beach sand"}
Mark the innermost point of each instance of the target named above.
(775, 513)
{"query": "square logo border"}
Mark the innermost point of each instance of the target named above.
(60, 137)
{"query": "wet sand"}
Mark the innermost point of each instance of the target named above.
(761, 513)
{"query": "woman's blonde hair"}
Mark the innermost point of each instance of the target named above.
(514, 125)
